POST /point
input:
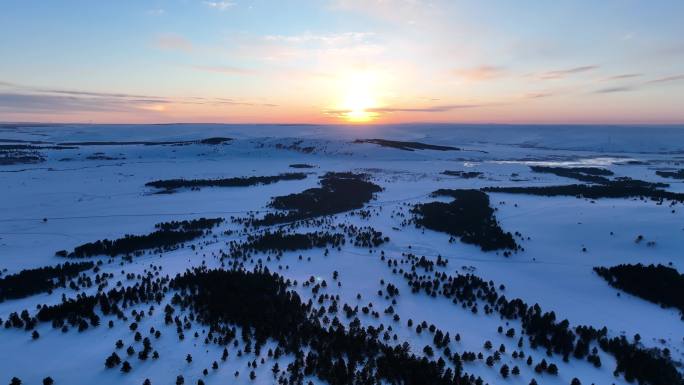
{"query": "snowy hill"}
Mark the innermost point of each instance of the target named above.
(66, 186)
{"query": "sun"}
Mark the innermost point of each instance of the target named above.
(359, 99)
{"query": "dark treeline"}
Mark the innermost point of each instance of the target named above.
(11, 157)
(169, 235)
(584, 174)
(647, 366)
(660, 284)
(365, 236)
(260, 303)
(339, 192)
(618, 188)
(463, 174)
(210, 141)
(172, 184)
(40, 280)
(82, 312)
(75, 311)
(281, 241)
(407, 146)
(469, 216)
(679, 174)
(215, 140)
(193, 224)
(6, 147)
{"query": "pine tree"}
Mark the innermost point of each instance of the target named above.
(126, 367)
(552, 369)
(504, 371)
(112, 361)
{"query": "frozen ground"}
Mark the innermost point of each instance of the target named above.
(93, 192)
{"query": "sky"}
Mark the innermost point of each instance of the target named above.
(342, 61)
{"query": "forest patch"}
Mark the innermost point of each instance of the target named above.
(339, 192)
(469, 216)
(40, 280)
(169, 185)
(659, 284)
(168, 236)
(618, 188)
(406, 146)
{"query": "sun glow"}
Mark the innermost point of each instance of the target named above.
(359, 99)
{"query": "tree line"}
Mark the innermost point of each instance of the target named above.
(656, 283)
(584, 174)
(40, 280)
(617, 188)
(174, 184)
(168, 236)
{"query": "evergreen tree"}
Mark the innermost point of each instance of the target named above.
(126, 367)
(504, 371)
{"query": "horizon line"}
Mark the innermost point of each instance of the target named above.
(622, 124)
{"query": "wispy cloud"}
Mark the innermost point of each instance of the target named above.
(538, 95)
(378, 111)
(220, 5)
(70, 92)
(90, 93)
(173, 42)
(156, 12)
(43, 99)
(407, 12)
(439, 108)
(483, 72)
(624, 76)
(559, 74)
(667, 79)
(612, 90)
(42, 103)
(334, 39)
(637, 86)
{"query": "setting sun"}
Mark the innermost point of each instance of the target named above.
(359, 98)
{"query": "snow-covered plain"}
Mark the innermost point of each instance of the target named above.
(68, 200)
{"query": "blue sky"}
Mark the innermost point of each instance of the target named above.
(325, 61)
